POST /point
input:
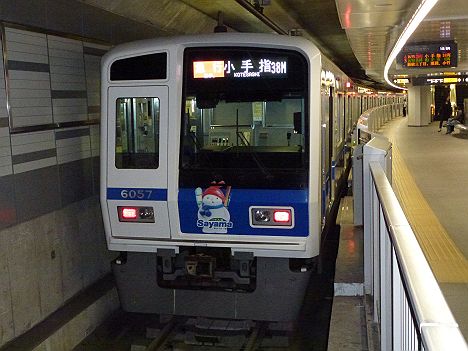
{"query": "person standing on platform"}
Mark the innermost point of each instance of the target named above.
(445, 112)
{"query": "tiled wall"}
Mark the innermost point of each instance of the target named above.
(5, 149)
(52, 242)
(50, 79)
(28, 78)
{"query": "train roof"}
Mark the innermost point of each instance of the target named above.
(147, 46)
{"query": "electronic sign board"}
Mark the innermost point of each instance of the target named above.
(248, 67)
(429, 55)
(440, 80)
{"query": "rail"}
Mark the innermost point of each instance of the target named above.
(409, 307)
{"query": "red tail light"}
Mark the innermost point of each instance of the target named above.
(129, 213)
(282, 216)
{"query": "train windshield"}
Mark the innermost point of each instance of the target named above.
(245, 118)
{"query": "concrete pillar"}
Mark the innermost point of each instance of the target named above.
(419, 105)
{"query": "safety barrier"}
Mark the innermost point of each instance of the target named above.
(371, 120)
(409, 307)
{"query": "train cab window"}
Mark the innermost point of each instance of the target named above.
(245, 117)
(137, 133)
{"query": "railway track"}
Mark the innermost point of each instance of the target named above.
(218, 334)
(174, 333)
(144, 332)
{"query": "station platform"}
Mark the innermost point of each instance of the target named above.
(429, 178)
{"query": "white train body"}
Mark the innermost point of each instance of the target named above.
(159, 188)
(223, 141)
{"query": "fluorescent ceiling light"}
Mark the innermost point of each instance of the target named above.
(423, 9)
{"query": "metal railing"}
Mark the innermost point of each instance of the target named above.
(408, 304)
(371, 120)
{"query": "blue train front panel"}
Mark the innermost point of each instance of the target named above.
(223, 210)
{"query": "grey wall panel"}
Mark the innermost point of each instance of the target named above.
(34, 156)
(27, 53)
(6, 311)
(33, 150)
(26, 42)
(73, 144)
(28, 66)
(24, 286)
(6, 167)
(95, 140)
(96, 174)
(76, 181)
(44, 180)
(68, 80)
(67, 110)
(49, 259)
(3, 108)
(36, 192)
(21, 84)
(28, 102)
(31, 93)
(93, 53)
(7, 202)
(71, 133)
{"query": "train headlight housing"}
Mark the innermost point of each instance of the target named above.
(262, 216)
(269, 217)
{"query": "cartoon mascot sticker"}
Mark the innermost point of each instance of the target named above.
(213, 214)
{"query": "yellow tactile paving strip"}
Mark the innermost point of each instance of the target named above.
(447, 262)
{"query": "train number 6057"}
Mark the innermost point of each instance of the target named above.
(136, 194)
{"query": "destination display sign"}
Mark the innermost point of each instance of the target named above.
(440, 80)
(266, 67)
(429, 55)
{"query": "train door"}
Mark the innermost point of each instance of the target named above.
(137, 167)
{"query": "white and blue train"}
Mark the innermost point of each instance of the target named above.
(221, 157)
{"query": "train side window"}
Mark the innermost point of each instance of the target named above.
(137, 133)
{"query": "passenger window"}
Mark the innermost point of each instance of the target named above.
(137, 133)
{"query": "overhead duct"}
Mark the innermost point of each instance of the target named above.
(220, 28)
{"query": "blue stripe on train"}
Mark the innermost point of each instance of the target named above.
(194, 220)
(141, 194)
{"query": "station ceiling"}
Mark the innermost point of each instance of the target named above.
(357, 35)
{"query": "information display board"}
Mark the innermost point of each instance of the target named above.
(264, 67)
(429, 55)
(440, 80)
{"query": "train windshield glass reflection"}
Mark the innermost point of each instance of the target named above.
(245, 117)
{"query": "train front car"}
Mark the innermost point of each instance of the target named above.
(211, 184)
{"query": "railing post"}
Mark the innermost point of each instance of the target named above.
(397, 305)
(385, 285)
(376, 150)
